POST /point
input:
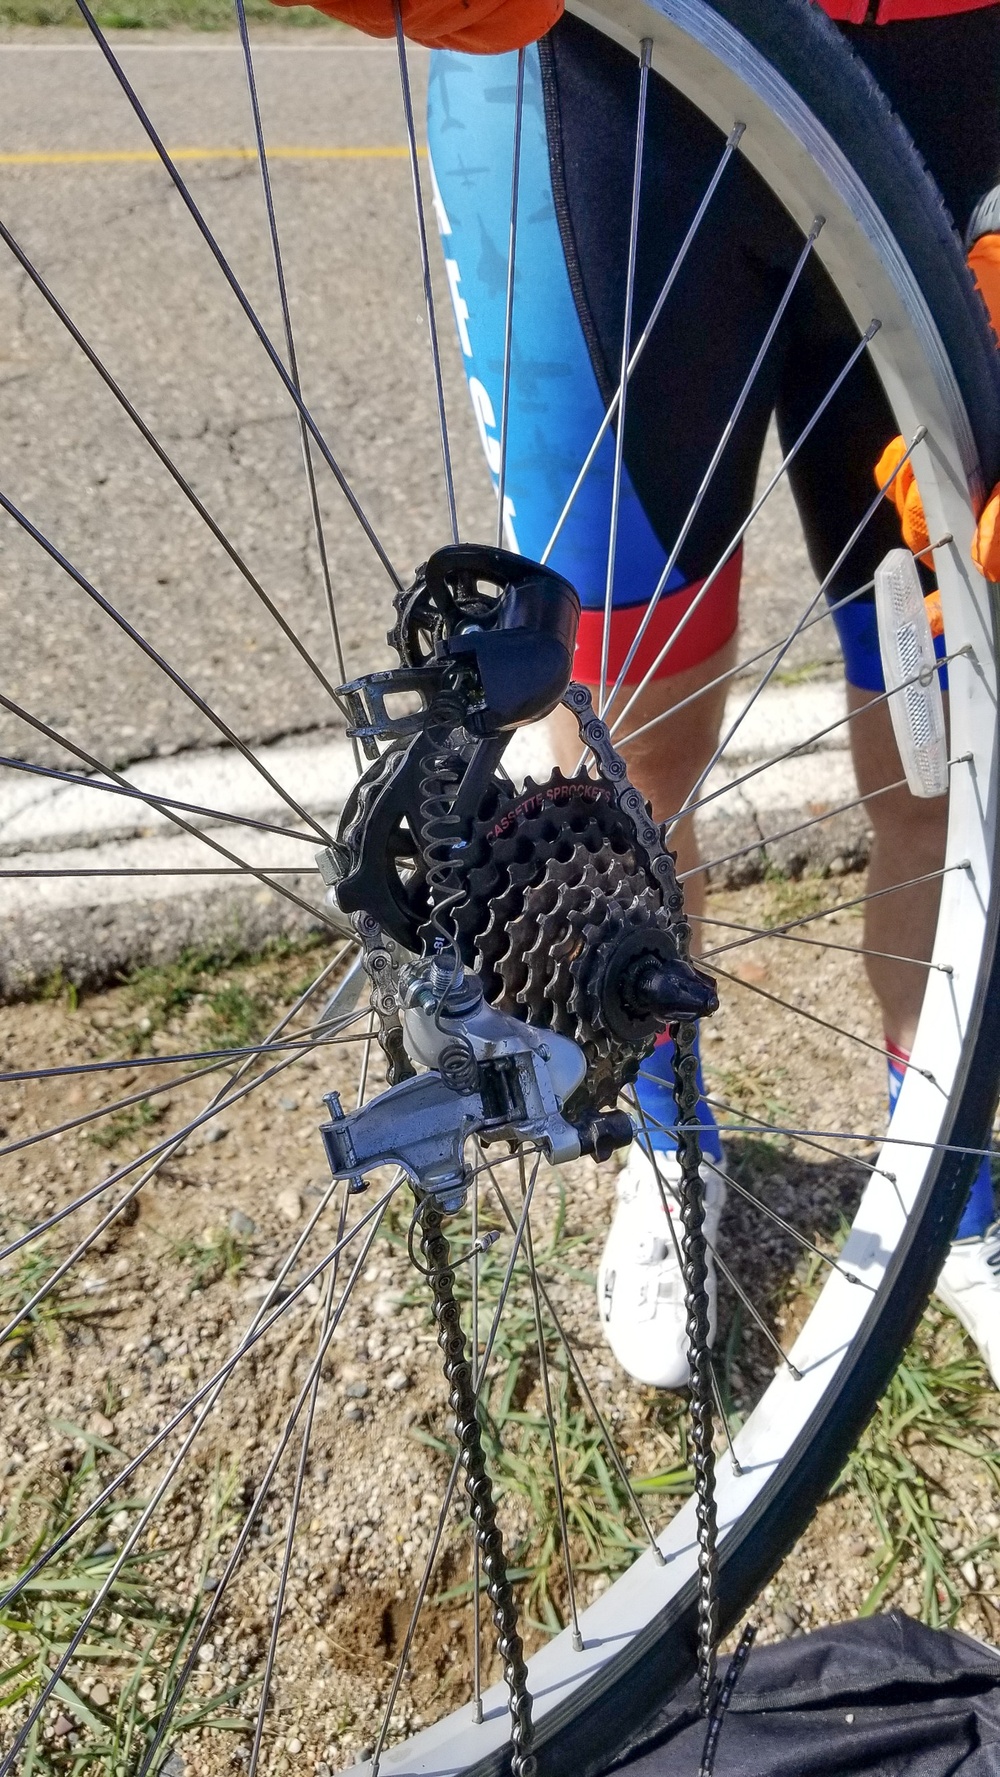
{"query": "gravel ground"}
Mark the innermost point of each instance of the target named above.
(157, 1304)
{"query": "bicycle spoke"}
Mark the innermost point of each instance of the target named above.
(735, 1464)
(149, 437)
(133, 1061)
(709, 475)
(221, 1102)
(307, 1046)
(170, 814)
(261, 1326)
(886, 1139)
(208, 1404)
(584, 1386)
(158, 660)
(105, 1588)
(508, 325)
(293, 366)
(734, 783)
(122, 788)
(797, 628)
(543, 1371)
(152, 870)
(645, 58)
(450, 1489)
(735, 135)
(765, 1208)
(894, 888)
(814, 1018)
(829, 610)
(789, 832)
(733, 672)
(300, 1475)
(754, 1312)
(237, 290)
(761, 932)
(737, 539)
(762, 1125)
(130, 1166)
(208, 1392)
(425, 267)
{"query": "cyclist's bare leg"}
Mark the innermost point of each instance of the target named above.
(664, 763)
(908, 841)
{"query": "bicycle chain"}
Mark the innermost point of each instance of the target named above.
(380, 957)
(694, 1254)
(478, 1487)
(692, 1206)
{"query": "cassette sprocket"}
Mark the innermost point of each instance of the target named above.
(557, 881)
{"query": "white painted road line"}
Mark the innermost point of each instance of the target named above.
(45, 824)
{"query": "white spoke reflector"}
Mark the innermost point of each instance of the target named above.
(909, 666)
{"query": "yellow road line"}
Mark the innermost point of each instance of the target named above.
(88, 157)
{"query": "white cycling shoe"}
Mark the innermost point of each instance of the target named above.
(640, 1288)
(969, 1285)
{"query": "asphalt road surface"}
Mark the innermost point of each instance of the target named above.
(114, 242)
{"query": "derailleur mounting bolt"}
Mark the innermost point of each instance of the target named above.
(603, 1132)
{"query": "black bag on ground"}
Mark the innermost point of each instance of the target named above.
(874, 1698)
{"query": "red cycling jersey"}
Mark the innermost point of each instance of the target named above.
(887, 12)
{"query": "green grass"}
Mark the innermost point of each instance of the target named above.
(165, 991)
(158, 15)
(134, 1121)
(57, 987)
(229, 1012)
(134, 1647)
(793, 897)
(800, 675)
(211, 1256)
(20, 1277)
(940, 1402)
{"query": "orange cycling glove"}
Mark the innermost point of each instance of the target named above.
(480, 27)
(984, 262)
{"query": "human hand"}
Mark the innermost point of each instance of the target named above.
(984, 262)
(480, 27)
(905, 495)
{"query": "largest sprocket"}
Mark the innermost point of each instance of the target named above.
(556, 883)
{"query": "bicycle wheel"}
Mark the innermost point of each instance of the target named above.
(823, 141)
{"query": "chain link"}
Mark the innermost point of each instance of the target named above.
(381, 962)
